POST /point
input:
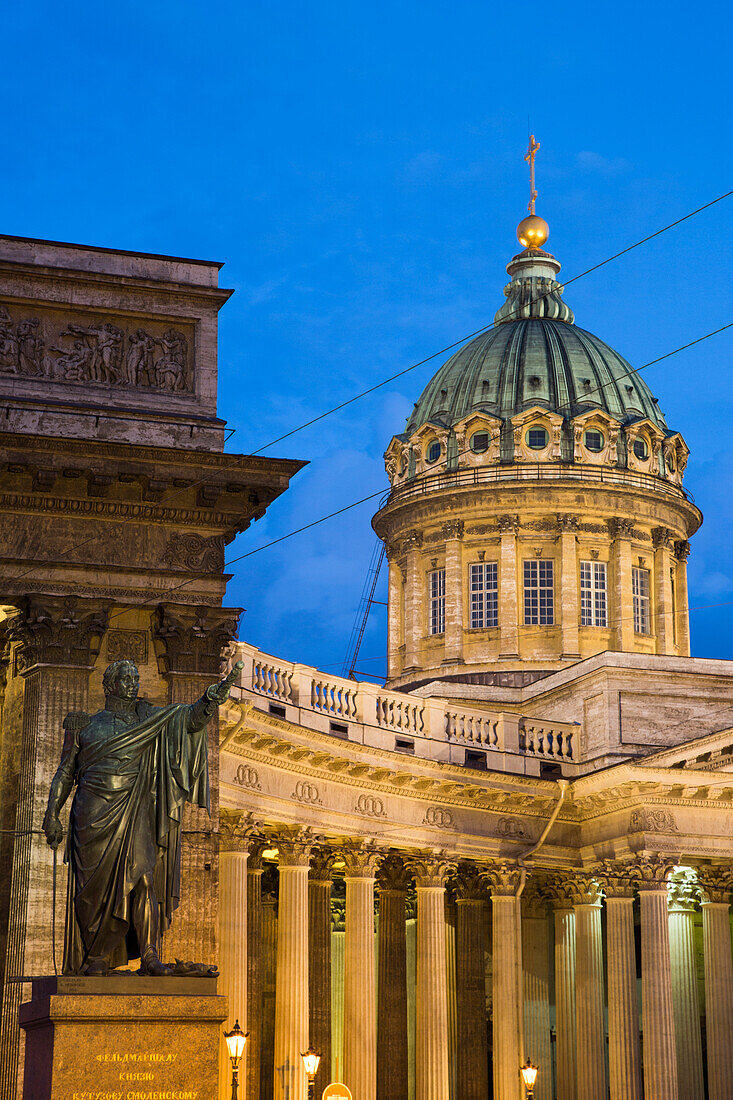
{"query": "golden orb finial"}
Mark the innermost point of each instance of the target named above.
(533, 231)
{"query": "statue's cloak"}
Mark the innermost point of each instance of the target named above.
(125, 823)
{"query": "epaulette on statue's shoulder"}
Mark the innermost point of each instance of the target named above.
(76, 721)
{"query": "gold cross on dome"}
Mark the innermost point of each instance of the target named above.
(529, 157)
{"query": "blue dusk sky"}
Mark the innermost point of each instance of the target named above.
(359, 169)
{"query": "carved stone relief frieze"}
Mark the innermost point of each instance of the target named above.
(97, 351)
(127, 645)
(195, 552)
(247, 776)
(654, 821)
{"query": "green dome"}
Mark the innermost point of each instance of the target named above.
(535, 355)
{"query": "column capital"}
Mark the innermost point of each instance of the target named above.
(586, 889)
(321, 864)
(682, 549)
(716, 882)
(430, 868)
(362, 857)
(620, 528)
(392, 874)
(195, 637)
(662, 538)
(616, 878)
(452, 529)
(412, 540)
(567, 522)
(503, 878)
(508, 524)
(558, 888)
(651, 871)
(535, 899)
(683, 891)
(58, 630)
(470, 883)
(239, 831)
(294, 844)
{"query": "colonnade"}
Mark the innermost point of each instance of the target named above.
(591, 992)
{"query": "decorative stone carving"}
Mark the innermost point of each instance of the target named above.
(194, 552)
(438, 816)
(511, 827)
(652, 821)
(195, 637)
(246, 776)
(392, 873)
(716, 882)
(127, 644)
(683, 891)
(652, 871)
(294, 844)
(412, 541)
(503, 877)
(430, 869)
(662, 537)
(452, 529)
(616, 878)
(371, 805)
(620, 528)
(535, 898)
(306, 792)
(97, 352)
(682, 550)
(362, 857)
(321, 864)
(585, 889)
(508, 524)
(238, 831)
(469, 883)
(567, 522)
(55, 630)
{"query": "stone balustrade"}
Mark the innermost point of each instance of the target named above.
(373, 715)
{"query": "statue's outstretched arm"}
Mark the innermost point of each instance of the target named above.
(62, 782)
(203, 710)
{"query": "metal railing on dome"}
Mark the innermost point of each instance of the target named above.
(535, 471)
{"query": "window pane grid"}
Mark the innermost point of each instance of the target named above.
(437, 601)
(640, 593)
(484, 585)
(593, 594)
(538, 593)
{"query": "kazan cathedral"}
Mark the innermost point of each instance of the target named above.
(519, 848)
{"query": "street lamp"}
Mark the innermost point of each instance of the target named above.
(311, 1061)
(529, 1076)
(236, 1041)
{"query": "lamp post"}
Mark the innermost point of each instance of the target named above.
(311, 1062)
(236, 1041)
(529, 1076)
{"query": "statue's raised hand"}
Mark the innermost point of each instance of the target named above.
(219, 693)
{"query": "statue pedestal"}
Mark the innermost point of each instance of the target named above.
(122, 1037)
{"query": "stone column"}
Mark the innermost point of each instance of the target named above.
(682, 890)
(508, 602)
(569, 586)
(195, 638)
(255, 970)
(503, 879)
(716, 883)
(681, 553)
(414, 599)
(431, 1016)
(472, 1070)
(394, 615)
(624, 1054)
(564, 919)
(58, 639)
(663, 540)
(269, 981)
(592, 1081)
(660, 1056)
(622, 606)
(536, 969)
(360, 1004)
(452, 532)
(392, 1080)
(319, 958)
(291, 993)
(236, 833)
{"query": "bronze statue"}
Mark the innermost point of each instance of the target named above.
(134, 766)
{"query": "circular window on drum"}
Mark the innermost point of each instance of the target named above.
(641, 448)
(537, 438)
(433, 452)
(594, 440)
(480, 442)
